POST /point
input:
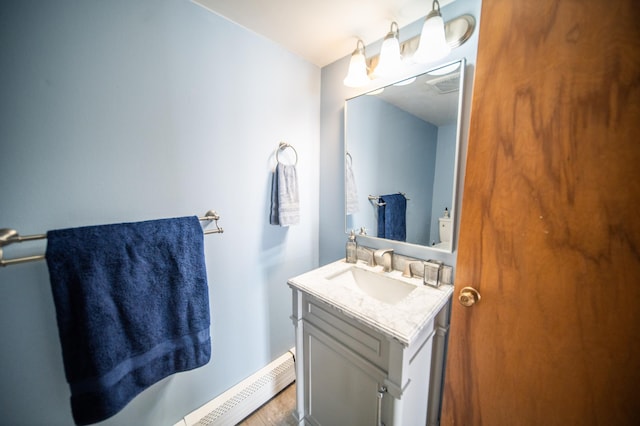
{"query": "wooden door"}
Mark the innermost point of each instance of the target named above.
(550, 225)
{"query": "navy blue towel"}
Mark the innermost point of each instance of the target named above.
(392, 217)
(132, 306)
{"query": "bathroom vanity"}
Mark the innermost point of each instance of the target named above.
(369, 346)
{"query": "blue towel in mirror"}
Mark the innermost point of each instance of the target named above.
(392, 217)
(132, 306)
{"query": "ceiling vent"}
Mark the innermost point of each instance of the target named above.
(446, 84)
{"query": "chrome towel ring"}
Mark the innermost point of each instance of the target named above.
(282, 147)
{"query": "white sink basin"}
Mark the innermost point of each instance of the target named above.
(375, 284)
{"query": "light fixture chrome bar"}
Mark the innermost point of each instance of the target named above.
(458, 30)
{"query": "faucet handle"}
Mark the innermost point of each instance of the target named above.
(408, 272)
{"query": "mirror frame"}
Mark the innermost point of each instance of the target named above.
(456, 175)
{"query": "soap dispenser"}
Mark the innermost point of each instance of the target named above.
(352, 248)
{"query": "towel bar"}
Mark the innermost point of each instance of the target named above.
(10, 236)
(375, 199)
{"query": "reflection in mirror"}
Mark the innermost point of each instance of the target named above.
(401, 159)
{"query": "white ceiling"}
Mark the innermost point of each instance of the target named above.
(321, 31)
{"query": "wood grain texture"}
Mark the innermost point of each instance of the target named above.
(550, 224)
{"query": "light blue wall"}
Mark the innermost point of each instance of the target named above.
(334, 93)
(122, 110)
(443, 183)
(383, 139)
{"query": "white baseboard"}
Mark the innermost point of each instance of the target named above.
(232, 406)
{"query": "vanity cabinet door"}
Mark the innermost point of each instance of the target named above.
(341, 386)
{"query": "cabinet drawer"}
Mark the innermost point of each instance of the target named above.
(361, 339)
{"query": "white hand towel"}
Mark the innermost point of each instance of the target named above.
(351, 191)
(287, 203)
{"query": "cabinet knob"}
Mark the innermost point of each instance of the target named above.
(469, 296)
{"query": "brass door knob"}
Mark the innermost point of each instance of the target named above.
(469, 296)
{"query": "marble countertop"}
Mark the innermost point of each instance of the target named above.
(402, 321)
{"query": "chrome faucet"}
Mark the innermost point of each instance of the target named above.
(382, 257)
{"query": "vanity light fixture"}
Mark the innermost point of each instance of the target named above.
(422, 48)
(390, 61)
(433, 44)
(357, 75)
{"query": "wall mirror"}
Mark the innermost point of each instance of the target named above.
(405, 139)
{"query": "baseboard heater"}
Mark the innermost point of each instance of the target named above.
(232, 406)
